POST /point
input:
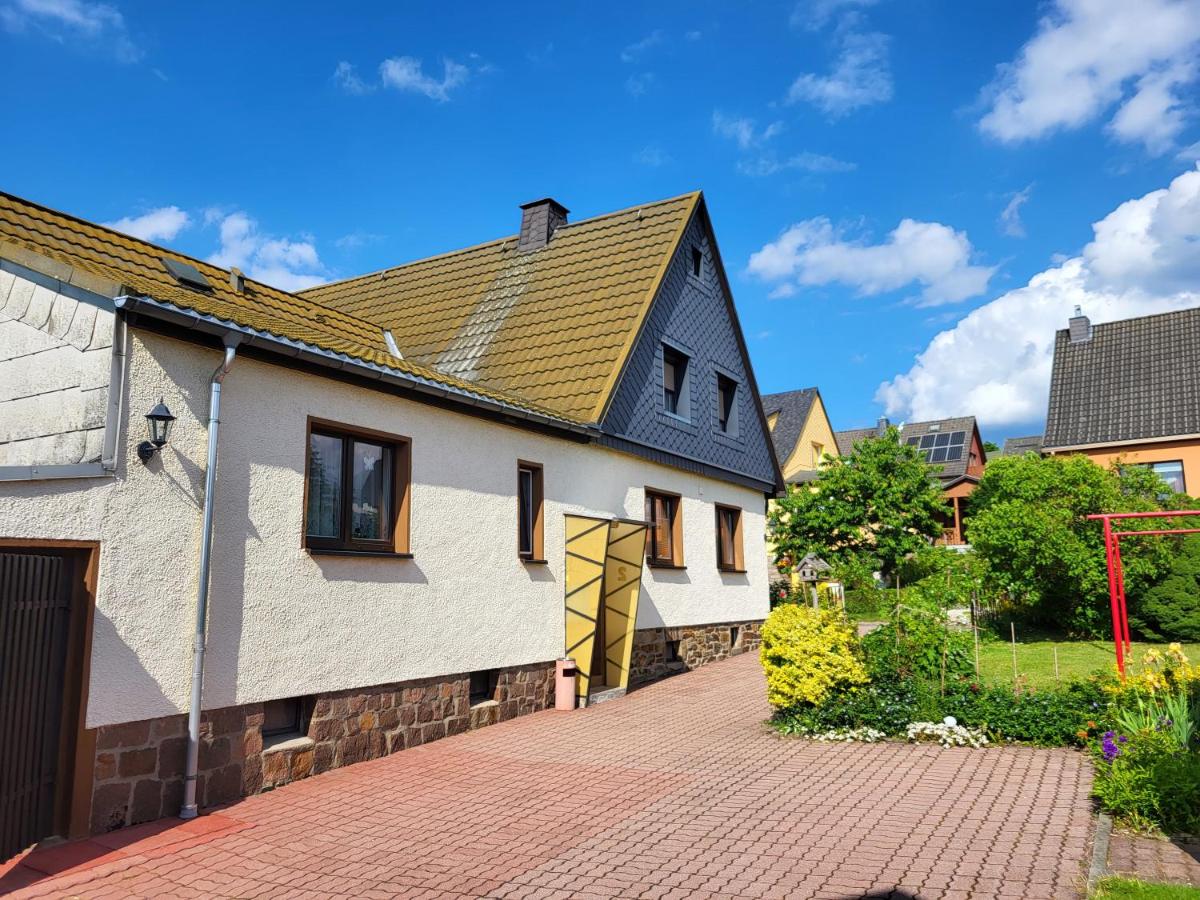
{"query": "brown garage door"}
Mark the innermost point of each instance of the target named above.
(35, 629)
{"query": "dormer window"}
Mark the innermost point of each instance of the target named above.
(675, 382)
(697, 262)
(726, 404)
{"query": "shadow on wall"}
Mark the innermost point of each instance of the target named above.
(122, 665)
(362, 570)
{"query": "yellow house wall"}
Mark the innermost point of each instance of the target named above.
(1187, 451)
(817, 429)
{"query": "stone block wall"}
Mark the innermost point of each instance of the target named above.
(693, 646)
(138, 773)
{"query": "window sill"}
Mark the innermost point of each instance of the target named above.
(655, 564)
(730, 570)
(531, 561)
(279, 743)
(676, 417)
(376, 554)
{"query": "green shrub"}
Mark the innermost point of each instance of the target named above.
(916, 643)
(1170, 610)
(1048, 718)
(886, 706)
(1148, 782)
(808, 653)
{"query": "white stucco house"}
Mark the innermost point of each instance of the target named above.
(426, 485)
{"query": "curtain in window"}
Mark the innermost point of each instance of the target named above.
(324, 516)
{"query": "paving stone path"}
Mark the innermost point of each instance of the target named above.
(676, 791)
(1154, 859)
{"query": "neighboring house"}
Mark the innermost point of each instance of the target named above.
(1130, 391)
(433, 481)
(952, 447)
(1019, 446)
(800, 431)
(802, 436)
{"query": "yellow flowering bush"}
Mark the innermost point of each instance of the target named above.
(807, 653)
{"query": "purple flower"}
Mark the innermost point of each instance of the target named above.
(1109, 748)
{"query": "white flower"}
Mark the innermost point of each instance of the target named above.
(950, 720)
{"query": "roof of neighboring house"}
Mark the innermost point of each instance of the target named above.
(792, 408)
(554, 325)
(1132, 380)
(1019, 446)
(951, 469)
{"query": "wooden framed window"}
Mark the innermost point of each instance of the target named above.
(727, 404)
(675, 381)
(664, 537)
(530, 513)
(356, 491)
(729, 539)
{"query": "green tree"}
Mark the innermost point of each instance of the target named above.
(991, 447)
(1170, 610)
(875, 506)
(1027, 522)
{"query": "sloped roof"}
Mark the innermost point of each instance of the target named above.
(553, 325)
(1133, 380)
(792, 408)
(1019, 446)
(137, 267)
(950, 469)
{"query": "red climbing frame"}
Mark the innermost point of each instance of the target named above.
(1116, 573)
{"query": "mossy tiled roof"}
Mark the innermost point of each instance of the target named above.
(136, 267)
(552, 325)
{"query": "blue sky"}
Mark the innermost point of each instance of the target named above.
(858, 157)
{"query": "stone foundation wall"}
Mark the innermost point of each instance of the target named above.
(138, 774)
(658, 652)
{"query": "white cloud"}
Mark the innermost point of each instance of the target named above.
(1091, 55)
(860, 75)
(743, 130)
(405, 73)
(995, 363)
(1010, 216)
(652, 155)
(930, 254)
(67, 21)
(633, 51)
(161, 224)
(286, 264)
(346, 77)
(356, 240)
(637, 85)
(815, 14)
(814, 163)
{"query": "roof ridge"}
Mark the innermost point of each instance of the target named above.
(130, 237)
(483, 244)
(1157, 315)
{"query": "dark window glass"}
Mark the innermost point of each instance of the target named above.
(281, 717)
(697, 261)
(525, 510)
(483, 686)
(674, 373)
(324, 516)
(726, 397)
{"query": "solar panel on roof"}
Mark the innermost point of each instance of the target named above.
(186, 274)
(953, 453)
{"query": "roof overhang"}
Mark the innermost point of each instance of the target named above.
(1130, 442)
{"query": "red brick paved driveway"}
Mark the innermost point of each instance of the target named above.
(676, 791)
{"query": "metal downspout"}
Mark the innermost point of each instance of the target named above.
(210, 480)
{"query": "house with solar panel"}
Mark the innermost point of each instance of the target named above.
(954, 451)
(247, 535)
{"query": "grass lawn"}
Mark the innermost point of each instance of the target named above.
(1131, 889)
(1076, 659)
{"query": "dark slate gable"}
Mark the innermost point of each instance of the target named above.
(691, 315)
(1132, 380)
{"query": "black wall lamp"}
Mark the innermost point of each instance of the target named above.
(158, 422)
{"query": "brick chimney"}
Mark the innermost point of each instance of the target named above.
(539, 220)
(1080, 327)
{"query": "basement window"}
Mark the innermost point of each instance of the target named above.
(672, 652)
(483, 686)
(285, 718)
(734, 634)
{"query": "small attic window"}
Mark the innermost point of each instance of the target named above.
(697, 262)
(186, 274)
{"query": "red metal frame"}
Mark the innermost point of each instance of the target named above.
(1116, 571)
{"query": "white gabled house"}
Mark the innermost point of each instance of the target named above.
(426, 488)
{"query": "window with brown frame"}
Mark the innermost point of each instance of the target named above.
(729, 539)
(530, 518)
(356, 491)
(664, 537)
